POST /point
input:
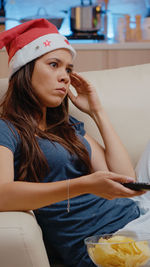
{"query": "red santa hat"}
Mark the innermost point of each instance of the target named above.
(31, 40)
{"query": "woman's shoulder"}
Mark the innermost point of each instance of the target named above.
(8, 135)
(6, 125)
(77, 125)
(3, 122)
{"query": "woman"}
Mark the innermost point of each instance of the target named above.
(48, 163)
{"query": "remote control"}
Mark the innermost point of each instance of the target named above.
(137, 186)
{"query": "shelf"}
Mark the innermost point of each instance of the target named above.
(92, 45)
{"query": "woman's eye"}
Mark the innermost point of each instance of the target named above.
(69, 70)
(53, 64)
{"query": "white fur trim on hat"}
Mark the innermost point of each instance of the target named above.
(37, 48)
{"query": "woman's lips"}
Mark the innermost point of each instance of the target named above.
(62, 90)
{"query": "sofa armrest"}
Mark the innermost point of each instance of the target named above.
(21, 241)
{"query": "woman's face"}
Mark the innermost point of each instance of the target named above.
(51, 77)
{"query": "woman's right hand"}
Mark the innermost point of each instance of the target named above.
(109, 185)
(86, 98)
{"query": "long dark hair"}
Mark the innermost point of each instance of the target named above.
(22, 108)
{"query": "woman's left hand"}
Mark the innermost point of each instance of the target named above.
(86, 99)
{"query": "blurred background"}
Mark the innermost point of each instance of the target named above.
(16, 10)
(105, 33)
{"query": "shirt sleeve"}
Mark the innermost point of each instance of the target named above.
(8, 135)
(78, 125)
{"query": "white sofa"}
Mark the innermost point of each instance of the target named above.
(125, 94)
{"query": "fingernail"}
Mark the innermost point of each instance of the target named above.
(130, 179)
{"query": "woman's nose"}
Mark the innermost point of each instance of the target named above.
(64, 76)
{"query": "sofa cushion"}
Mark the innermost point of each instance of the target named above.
(125, 94)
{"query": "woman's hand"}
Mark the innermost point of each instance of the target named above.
(108, 185)
(87, 99)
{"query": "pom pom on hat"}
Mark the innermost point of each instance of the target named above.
(31, 40)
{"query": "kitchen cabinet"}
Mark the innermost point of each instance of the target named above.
(98, 56)
(121, 58)
(91, 60)
(107, 56)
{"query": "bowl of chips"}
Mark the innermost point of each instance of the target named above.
(122, 249)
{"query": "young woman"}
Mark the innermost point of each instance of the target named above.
(48, 163)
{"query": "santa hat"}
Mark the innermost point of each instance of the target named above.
(31, 40)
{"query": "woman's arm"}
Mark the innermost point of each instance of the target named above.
(98, 159)
(114, 154)
(23, 196)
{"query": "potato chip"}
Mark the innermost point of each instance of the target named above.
(120, 251)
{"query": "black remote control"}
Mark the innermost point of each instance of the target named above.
(137, 186)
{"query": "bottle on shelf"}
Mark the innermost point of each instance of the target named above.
(120, 31)
(127, 30)
(138, 30)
